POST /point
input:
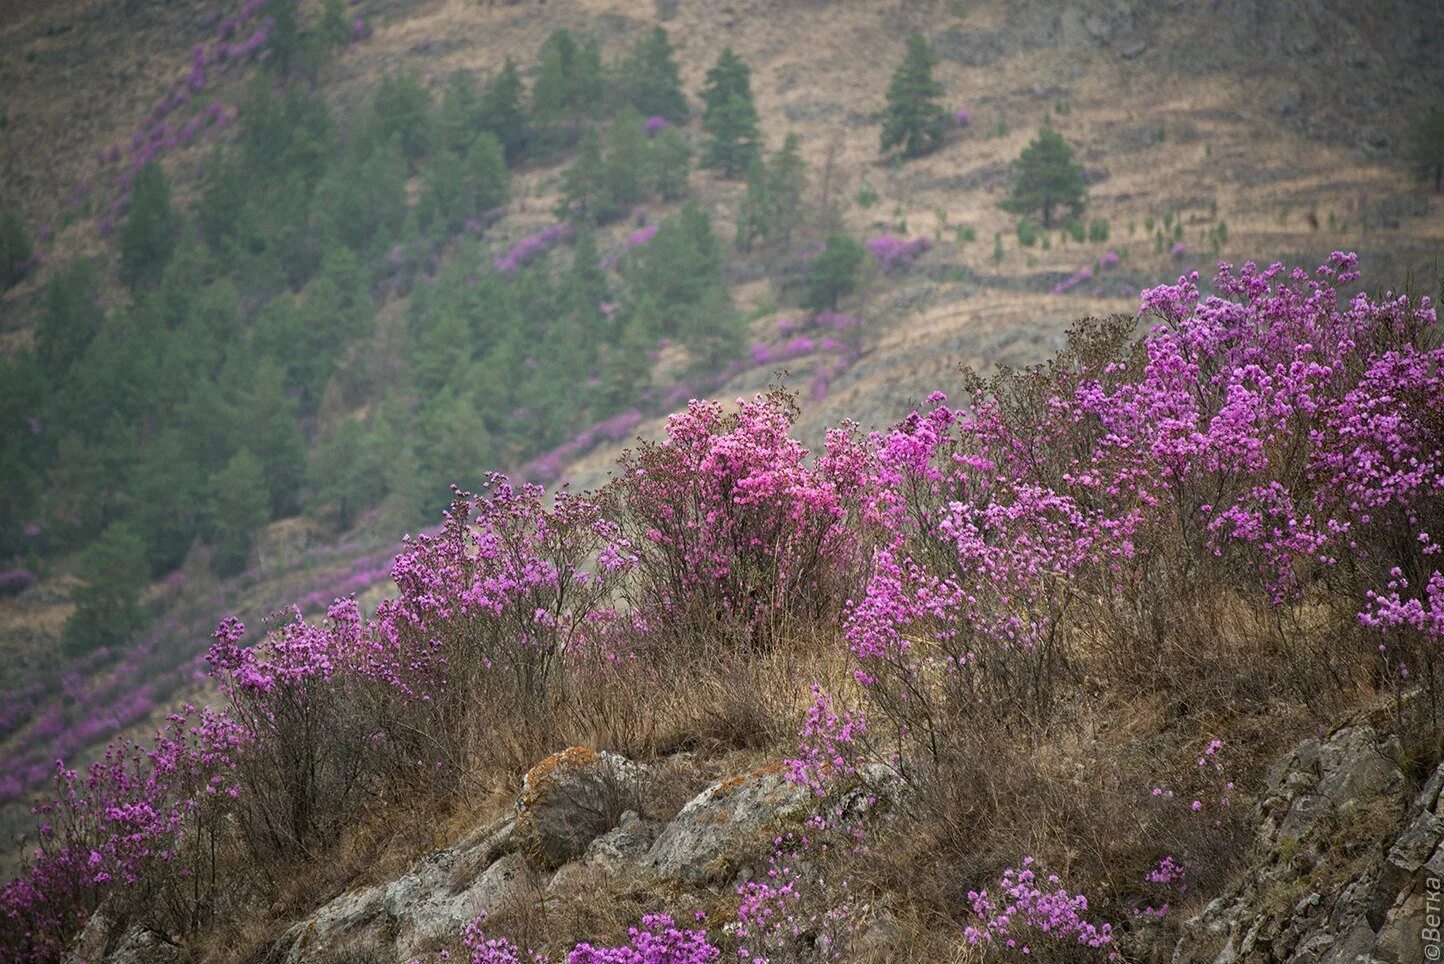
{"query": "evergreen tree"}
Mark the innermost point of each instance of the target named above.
(113, 573)
(14, 249)
(668, 165)
(502, 112)
(729, 117)
(1046, 177)
(237, 505)
(362, 203)
(679, 265)
(771, 206)
(458, 188)
(70, 318)
(626, 160)
(833, 273)
(569, 79)
(731, 77)
(163, 498)
(913, 119)
(148, 237)
(348, 473)
(649, 79)
(752, 218)
(585, 194)
(401, 111)
(456, 447)
(1426, 146)
(786, 182)
(460, 116)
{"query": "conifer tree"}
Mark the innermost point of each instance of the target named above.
(626, 162)
(113, 572)
(14, 249)
(569, 78)
(729, 117)
(401, 111)
(786, 182)
(669, 165)
(752, 219)
(147, 239)
(460, 116)
(584, 187)
(1426, 146)
(913, 119)
(69, 319)
(833, 273)
(1047, 176)
(502, 112)
(650, 81)
(237, 505)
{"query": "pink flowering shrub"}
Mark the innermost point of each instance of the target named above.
(1023, 915)
(1243, 447)
(893, 253)
(140, 827)
(734, 531)
(657, 941)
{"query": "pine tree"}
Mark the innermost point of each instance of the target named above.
(786, 182)
(113, 573)
(833, 273)
(650, 81)
(1426, 147)
(729, 117)
(753, 217)
(14, 249)
(669, 165)
(584, 187)
(502, 112)
(237, 505)
(456, 188)
(148, 237)
(162, 499)
(913, 119)
(626, 161)
(771, 206)
(401, 111)
(70, 318)
(460, 116)
(1046, 177)
(569, 79)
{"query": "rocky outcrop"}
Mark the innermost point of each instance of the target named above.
(425, 907)
(1337, 880)
(571, 798)
(725, 824)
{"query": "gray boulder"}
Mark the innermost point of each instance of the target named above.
(726, 824)
(571, 798)
(426, 906)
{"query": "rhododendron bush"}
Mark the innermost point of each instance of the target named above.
(1262, 473)
(1273, 442)
(736, 534)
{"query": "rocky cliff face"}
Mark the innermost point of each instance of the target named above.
(1348, 866)
(1348, 869)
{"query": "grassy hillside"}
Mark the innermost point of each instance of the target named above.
(1230, 131)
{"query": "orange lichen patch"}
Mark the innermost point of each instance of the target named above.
(539, 776)
(732, 783)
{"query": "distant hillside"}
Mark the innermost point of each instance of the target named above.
(1233, 130)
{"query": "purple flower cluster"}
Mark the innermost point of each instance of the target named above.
(532, 247)
(657, 941)
(656, 125)
(1072, 281)
(617, 428)
(1024, 917)
(893, 253)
